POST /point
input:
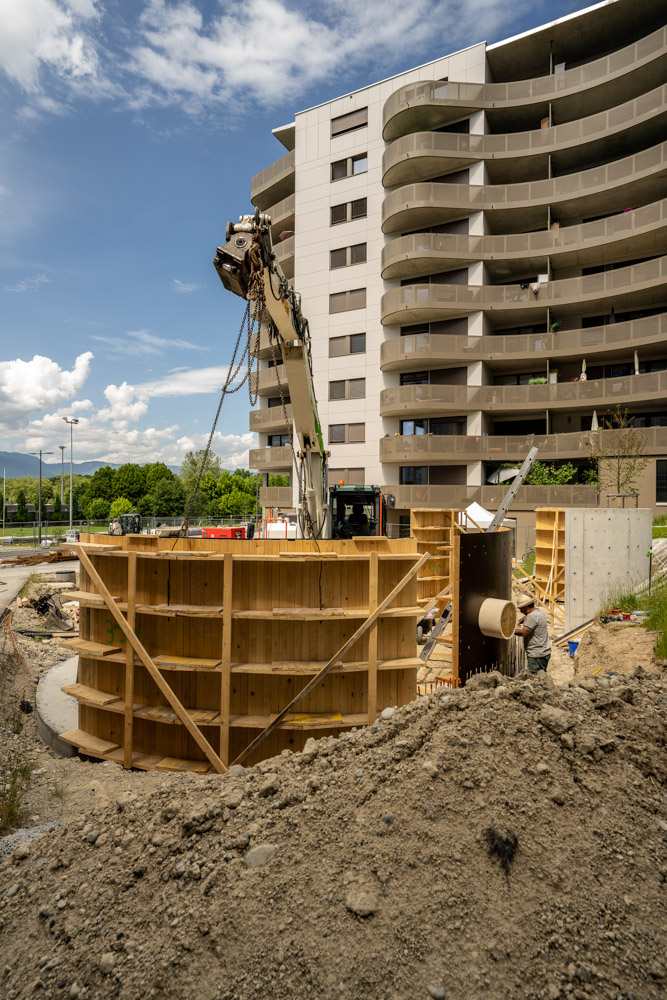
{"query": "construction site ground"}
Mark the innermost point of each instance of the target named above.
(379, 865)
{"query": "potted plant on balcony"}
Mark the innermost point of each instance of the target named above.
(542, 380)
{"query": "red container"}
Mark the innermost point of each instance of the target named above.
(223, 532)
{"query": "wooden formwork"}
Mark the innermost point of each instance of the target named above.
(223, 634)
(433, 532)
(550, 551)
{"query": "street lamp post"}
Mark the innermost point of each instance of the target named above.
(62, 473)
(39, 508)
(71, 421)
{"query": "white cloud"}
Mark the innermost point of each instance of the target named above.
(28, 284)
(233, 449)
(143, 343)
(184, 287)
(26, 386)
(189, 382)
(48, 34)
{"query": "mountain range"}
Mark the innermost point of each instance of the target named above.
(15, 464)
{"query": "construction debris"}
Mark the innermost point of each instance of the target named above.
(56, 556)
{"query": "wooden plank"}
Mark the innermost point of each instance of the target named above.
(315, 720)
(87, 742)
(373, 570)
(301, 667)
(94, 547)
(128, 726)
(154, 672)
(169, 661)
(226, 662)
(86, 648)
(84, 597)
(363, 628)
(178, 764)
(179, 610)
(90, 694)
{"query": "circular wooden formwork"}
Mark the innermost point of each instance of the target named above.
(236, 629)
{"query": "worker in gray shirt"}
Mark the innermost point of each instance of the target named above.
(533, 628)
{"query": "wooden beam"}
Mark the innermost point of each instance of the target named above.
(373, 640)
(226, 667)
(143, 655)
(336, 658)
(129, 659)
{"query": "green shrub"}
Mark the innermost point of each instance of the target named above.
(12, 793)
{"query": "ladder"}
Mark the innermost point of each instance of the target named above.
(439, 601)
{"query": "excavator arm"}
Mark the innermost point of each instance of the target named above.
(247, 266)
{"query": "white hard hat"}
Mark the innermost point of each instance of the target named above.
(524, 600)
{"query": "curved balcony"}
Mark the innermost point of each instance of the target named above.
(421, 351)
(267, 383)
(601, 189)
(270, 459)
(644, 284)
(284, 252)
(421, 155)
(459, 497)
(270, 420)
(282, 216)
(433, 400)
(440, 449)
(273, 183)
(431, 103)
(643, 231)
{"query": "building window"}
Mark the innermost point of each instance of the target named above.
(349, 211)
(414, 426)
(661, 481)
(347, 433)
(348, 477)
(346, 256)
(278, 440)
(277, 401)
(347, 301)
(353, 343)
(348, 388)
(414, 378)
(414, 475)
(349, 122)
(349, 167)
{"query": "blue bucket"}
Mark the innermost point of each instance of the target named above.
(572, 646)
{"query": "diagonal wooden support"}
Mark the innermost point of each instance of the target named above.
(336, 658)
(137, 646)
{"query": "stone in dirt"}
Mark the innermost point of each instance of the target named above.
(556, 719)
(361, 902)
(107, 962)
(259, 855)
(436, 992)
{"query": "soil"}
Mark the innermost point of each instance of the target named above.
(361, 867)
(624, 644)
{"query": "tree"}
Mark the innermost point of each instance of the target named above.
(168, 498)
(277, 480)
(129, 481)
(192, 463)
(155, 471)
(618, 453)
(100, 485)
(98, 509)
(121, 505)
(57, 508)
(551, 474)
(21, 507)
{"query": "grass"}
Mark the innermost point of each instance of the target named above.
(25, 589)
(528, 565)
(654, 603)
(12, 794)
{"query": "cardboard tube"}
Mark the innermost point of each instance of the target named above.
(497, 618)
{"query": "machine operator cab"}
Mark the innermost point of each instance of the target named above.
(357, 511)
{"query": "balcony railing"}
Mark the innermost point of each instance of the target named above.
(452, 449)
(273, 183)
(424, 400)
(422, 253)
(459, 497)
(267, 459)
(267, 383)
(414, 101)
(275, 496)
(427, 154)
(413, 205)
(421, 350)
(281, 213)
(285, 256)
(270, 419)
(415, 303)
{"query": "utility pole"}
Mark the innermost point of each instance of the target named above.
(62, 473)
(39, 508)
(71, 421)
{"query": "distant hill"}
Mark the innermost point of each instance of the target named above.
(15, 464)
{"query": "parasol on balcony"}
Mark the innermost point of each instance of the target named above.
(583, 377)
(636, 363)
(594, 421)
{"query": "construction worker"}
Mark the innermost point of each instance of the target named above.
(533, 628)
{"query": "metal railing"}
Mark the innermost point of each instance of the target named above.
(541, 89)
(269, 183)
(269, 418)
(458, 497)
(550, 191)
(270, 458)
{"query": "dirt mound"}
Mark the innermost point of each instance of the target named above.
(618, 646)
(379, 865)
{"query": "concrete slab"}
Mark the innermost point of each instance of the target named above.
(57, 712)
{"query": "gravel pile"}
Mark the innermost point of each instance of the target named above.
(503, 841)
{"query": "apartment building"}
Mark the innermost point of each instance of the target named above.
(481, 248)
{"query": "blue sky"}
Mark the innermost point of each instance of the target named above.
(129, 130)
